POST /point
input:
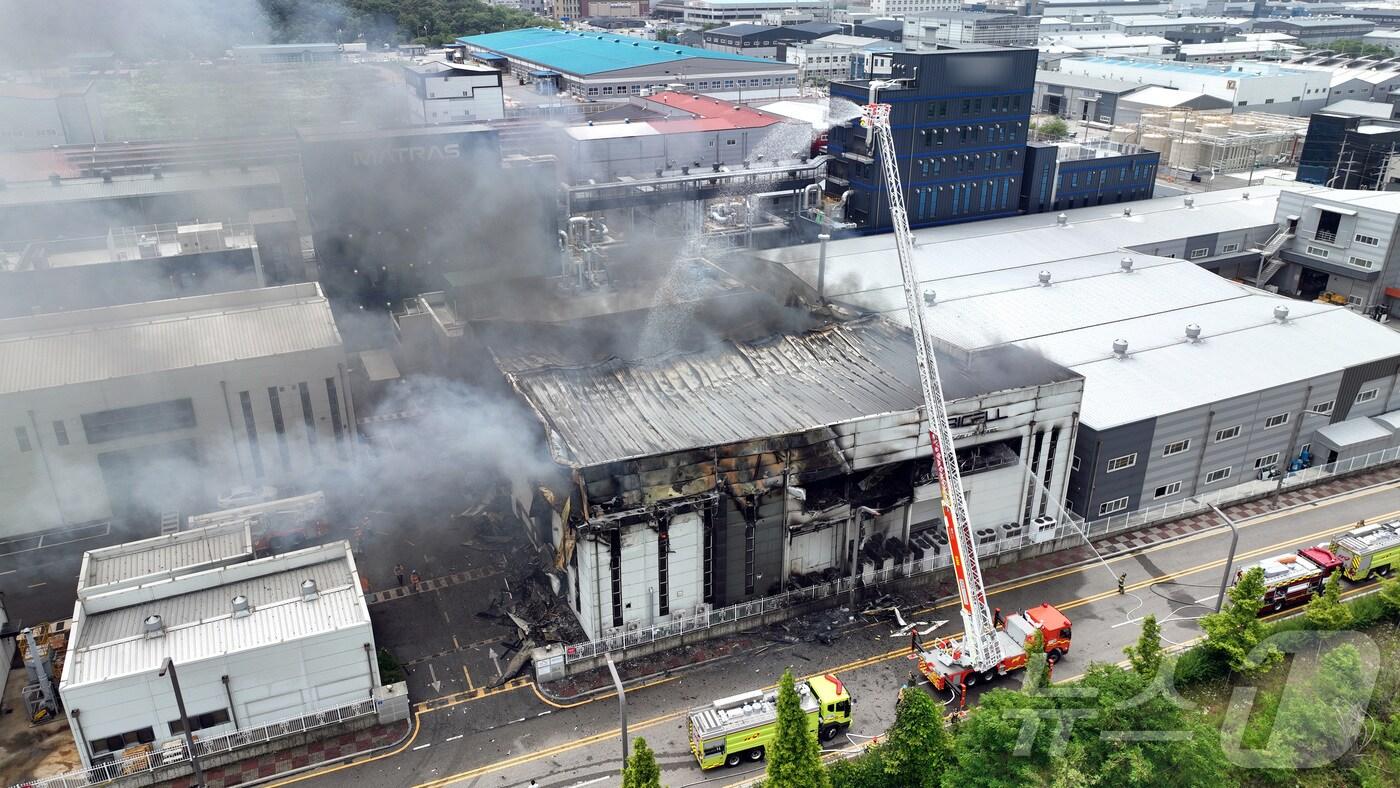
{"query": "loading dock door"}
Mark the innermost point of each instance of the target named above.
(143, 482)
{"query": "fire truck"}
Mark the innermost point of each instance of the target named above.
(1293, 578)
(988, 647)
(732, 730)
(277, 526)
(1369, 551)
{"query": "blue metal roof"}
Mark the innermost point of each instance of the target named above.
(573, 52)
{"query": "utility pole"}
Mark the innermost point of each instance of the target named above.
(621, 705)
(1229, 561)
(169, 667)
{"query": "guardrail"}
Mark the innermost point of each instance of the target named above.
(1070, 525)
(175, 751)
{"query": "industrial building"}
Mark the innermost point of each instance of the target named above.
(928, 29)
(728, 12)
(1339, 243)
(253, 641)
(607, 65)
(1230, 51)
(1112, 44)
(1153, 100)
(685, 131)
(38, 117)
(1078, 97)
(152, 262)
(1350, 151)
(1166, 26)
(901, 8)
(968, 111)
(39, 210)
(764, 41)
(1356, 78)
(1314, 30)
(444, 92)
(833, 57)
(1211, 142)
(127, 412)
(1094, 8)
(1255, 87)
(1128, 301)
(283, 54)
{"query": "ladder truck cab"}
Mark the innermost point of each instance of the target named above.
(1293, 578)
(1369, 551)
(946, 667)
(732, 730)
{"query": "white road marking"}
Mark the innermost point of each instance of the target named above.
(589, 782)
(454, 738)
(1125, 623)
(1206, 598)
(421, 746)
(8, 572)
(36, 585)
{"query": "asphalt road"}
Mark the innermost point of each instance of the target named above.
(510, 735)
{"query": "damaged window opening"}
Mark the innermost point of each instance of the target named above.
(708, 570)
(615, 567)
(308, 417)
(279, 427)
(748, 556)
(251, 427)
(336, 426)
(663, 546)
(578, 591)
(1049, 475)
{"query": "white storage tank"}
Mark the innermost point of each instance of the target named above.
(1186, 153)
(1121, 133)
(1152, 119)
(1245, 124)
(1216, 129)
(1158, 142)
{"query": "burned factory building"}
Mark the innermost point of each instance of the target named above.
(717, 442)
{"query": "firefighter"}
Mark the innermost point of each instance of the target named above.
(1122, 583)
(997, 620)
(414, 579)
(399, 572)
(914, 644)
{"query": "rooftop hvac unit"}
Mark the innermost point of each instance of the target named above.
(633, 626)
(200, 237)
(1042, 529)
(702, 611)
(146, 247)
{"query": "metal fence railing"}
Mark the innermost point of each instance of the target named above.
(1070, 525)
(175, 751)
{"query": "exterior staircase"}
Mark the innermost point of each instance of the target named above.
(1269, 252)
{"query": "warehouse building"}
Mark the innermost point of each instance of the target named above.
(1078, 97)
(1345, 244)
(445, 92)
(728, 12)
(1248, 86)
(601, 66)
(929, 29)
(253, 641)
(1191, 382)
(1314, 30)
(37, 117)
(127, 412)
(1355, 78)
(1350, 151)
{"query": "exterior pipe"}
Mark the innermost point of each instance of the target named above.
(373, 668)
(808, 200)
(81, 739)
(821, 266)
(228, 694)
(841, 205)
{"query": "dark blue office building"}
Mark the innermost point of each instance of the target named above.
(960, 122)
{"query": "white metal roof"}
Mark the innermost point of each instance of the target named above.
(166, 556)
(197, 614)
(987, 293)
(1354, 432)
(91, 345)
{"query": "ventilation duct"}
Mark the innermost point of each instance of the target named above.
(241, 607)
(308, 590)
(154, 627)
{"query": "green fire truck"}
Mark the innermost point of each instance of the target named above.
(1369, 551)
(732, 730)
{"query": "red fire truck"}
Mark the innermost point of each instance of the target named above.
(1293, 578)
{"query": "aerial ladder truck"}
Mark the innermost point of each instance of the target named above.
(990, 646)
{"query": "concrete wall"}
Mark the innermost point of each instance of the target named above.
(288, 680)
(51, 485)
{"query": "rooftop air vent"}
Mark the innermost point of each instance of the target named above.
(930, 297)
(1193, 332)
(153, 626)
(308, 590)
(241, 607)
(1189, 202)
(1126, 264)
(1044, 277)
(1120, 348)
(1127, 211)
(1281, 314)
(1062, 220)
(1244, 196)
(106, 176)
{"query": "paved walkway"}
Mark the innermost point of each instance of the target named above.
(269, 765)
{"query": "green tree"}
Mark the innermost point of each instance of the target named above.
(667, 34)
(989, 750)
(1053, 129)
(1146, 656)
(1355, 46)
(794, 758)
(1390, 596)
(1037, 666)
(641, 770)
(1325, 610)
(919, 747)
(1235, 631)
(1320, 717)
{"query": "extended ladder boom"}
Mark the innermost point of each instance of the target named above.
(980, 648)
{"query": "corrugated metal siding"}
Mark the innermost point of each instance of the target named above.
(199, 625)
(1355, 377)
(181, 340)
